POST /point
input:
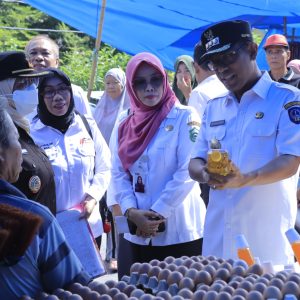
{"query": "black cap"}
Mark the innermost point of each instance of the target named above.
(221, 37)
(14, 64)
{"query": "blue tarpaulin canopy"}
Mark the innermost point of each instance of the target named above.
(167, 28)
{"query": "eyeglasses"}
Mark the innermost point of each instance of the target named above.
(141, 84)
(224, 59)
(51, 92)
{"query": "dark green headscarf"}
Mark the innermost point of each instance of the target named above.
(188, 61)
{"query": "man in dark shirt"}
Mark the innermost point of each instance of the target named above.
(278, 54)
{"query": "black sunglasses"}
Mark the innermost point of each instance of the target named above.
(141, 84)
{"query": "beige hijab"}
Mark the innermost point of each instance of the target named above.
(6, 90)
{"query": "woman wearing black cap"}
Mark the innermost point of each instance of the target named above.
(18, 90)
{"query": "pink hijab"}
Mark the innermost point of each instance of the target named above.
(136, 132)
(295, 65)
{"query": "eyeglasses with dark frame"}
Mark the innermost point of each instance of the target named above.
(225, 59)
(62, 90)
(141, 84)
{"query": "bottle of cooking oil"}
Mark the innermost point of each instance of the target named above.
(218, 159)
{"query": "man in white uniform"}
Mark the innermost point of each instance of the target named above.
(209, 86)
(42, 52)
(257, 122)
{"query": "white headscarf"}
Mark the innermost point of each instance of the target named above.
(6, 90)
(108, 109)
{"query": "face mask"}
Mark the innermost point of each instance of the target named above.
(26, 100)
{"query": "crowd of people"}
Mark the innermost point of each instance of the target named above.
(138, 167)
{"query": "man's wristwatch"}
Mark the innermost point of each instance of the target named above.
(126, 214)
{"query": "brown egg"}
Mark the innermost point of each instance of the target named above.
(283, 275)
(211, 257)
(199, 295)
(204, 261)
(255, 295)
(185, 293)
(154, 271)
(210, 295)
(276, 282)
(128, 290)
(246, 285)
(240, 262)
(238, 270)
(75, 287)
(238, 297)
(197, 258)
(52, 297)
(174, 277)
(164, 274)
(84, 291)
(162, 264)
(250, 279)
(238, 278)
(74, 297)
(216, 287)
(230, 261)
(113, 291)
(263, 280)
(146, 297)
(267, 276)
(135, 267)
(121, 285)
(202, 287)
(291, 287)
(223, 274)
(210, 269)
(94, 296)
(137, 293)
(259, 287)
(169, 259)
(226, 265)
(165, 295)
(224, 296)
(133, 298)
(178, 261)
(144, 268)
(182, 269)
(120, 296)
(203, 277)
(67, 294)
(172, 267)
(240, 291)
(255, 269)
(272, 292)
(188, 262)
(104, 297)
(220, 260)
(220, 281)
(294, 277)
(110, 283)
(191, 273)
(186, 282)
(197, 265)
(177, 297)
(154, 262)
(60, 291)
(228, 289)
(215, 264)
(234, 284)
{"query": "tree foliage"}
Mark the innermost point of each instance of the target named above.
(76, 49)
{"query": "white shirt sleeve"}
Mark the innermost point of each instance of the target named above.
(81, 102)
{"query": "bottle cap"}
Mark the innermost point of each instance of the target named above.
(257, 260)
(292, 235)
(241, 241)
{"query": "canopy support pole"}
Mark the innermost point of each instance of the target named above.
(96, 50)
(284, 26)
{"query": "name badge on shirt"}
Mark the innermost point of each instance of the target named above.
(217, 123)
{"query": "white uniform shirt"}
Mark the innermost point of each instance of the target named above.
(80, 100)
(210, 88)
(254, 132)
(168, 188)
(81, 165)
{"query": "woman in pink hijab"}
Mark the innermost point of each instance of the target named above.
(150, 168)
(295, 65)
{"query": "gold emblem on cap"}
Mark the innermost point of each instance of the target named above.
(169, 127)
(259, 115)
(34, 184)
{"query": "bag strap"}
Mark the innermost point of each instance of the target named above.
(86, 124)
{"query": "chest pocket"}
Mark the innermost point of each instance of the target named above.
(262, 129)
(216, 132)
(87, 147)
